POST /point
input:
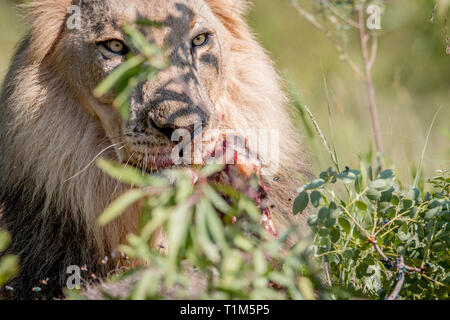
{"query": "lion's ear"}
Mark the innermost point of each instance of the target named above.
(231, 13)
(47, 19)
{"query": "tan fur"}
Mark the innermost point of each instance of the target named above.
(52, 127)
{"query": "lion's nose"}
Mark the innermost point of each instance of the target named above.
(191, 123)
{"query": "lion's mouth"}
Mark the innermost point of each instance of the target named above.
(152, 167)
(151, 160)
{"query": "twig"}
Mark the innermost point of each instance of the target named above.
(327, 273)
(400, 265)
(368, 63)
(308, 17)
(391, 221)
(374, 50)
(338, 13)
(378, 249)
(399, 285)
(343, 55)
(349, 214)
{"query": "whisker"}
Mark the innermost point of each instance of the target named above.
(144, 167)
(112, 138)
(156, 164)
(127, 134)
(151, 162)
(93, 160)
(118, 180)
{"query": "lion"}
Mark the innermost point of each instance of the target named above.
(53, 126)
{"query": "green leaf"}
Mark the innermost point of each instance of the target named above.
(323, 213)
(324, 176)
(312, 185)
(348, 253)
(348, 176)
(260, 262)
(345, 224)
(146, 286)
(148, 23)
(216, 227)
(330, 222)
(406, 204)
(159, 216)
(430, 214)
(404, 237)
(117, 74)
(218, 201)
(401, 250)
(335, 235)
(306, 288)
(380, 184)
(387, 174)
(323, 232)
(242, 242)
(154, 55)
(312, 220)
(211, 169)
(204, 240)
(395, 200)
(386, 196)
(373, 194)
(250, 207)
(315, 196)
(178, 226)
(130, 175)
(434, 204)
(361, 205)
(413, 194)
(301, 202)
(122, 203)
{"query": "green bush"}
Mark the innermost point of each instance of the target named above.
(379, 239)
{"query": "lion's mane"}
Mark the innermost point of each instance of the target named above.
(47, 137)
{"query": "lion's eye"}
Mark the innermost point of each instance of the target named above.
(116, 46)
(200, 40)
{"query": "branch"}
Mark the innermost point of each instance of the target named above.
(364, 37)
(338, 13)
(399, 285)
(401, 267)
(310, 18)
(373, 54)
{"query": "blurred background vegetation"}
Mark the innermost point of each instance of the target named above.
(411, 75)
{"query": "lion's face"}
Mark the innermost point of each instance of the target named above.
(179, 96)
